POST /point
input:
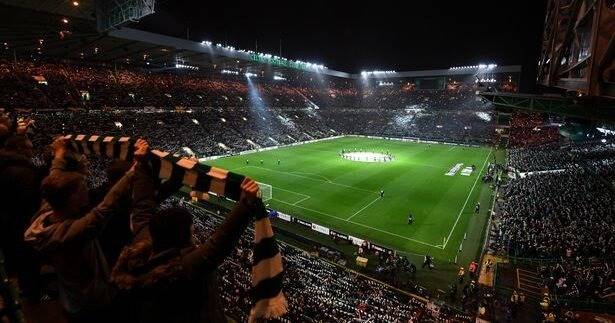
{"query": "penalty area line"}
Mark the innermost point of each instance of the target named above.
(301, 200)
(314, 179)
(363, 208)
(360, 224)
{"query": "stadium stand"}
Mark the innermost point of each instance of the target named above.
(288, 115)
(74, 97)
(555, 206)
(559, 206)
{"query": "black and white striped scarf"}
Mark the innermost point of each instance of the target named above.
(267, 271)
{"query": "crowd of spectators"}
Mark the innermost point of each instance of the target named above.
(98, 214)
(527, 129)
(265, 112)
(559, 206)
(563, 212)
(318, 291)
(182, 131)
(596, 156)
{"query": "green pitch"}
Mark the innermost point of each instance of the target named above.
(313, 182)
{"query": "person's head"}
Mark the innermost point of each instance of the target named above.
(20, 145)
(66, 193)
(116, 170)
(171, 228)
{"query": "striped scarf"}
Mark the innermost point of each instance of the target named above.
(267, 271)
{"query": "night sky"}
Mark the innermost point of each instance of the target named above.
(354, 36)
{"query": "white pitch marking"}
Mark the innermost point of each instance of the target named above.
(326, 179)
(307, 208)
(296, 193)
(301, 200)
(467, 199)
(317, 180)
(394, 234)
(363, 208)
(360, 224)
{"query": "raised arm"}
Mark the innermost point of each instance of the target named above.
(143, 192)
(208, 257)
(91, 224)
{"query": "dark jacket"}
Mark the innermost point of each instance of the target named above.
(179, 285)
(20, 181)
(72, 247)
(19, 199)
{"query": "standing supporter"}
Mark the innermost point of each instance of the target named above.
(168, 277)
(472, 268)
(461, 274)
(19, 197)
(66, 233)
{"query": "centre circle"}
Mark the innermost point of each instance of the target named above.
(367, 156)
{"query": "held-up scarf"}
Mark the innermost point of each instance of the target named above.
(267, 271)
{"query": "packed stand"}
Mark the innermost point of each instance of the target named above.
(314, 108)
(559, 206)
(528, 129)
(318, 291)
(121, 247)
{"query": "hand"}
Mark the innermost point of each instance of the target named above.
(141, 149)
(60, 147)
(249, 190)
(22, 126)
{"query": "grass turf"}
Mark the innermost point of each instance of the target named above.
(314, 183)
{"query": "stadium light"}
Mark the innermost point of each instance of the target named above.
(484, 80)
(377, 73)
(606, 131)
(184, 66)
(479, 66)
(229, 72)
(250, 75)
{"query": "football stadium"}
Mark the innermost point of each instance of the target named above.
(373, 199)
(185, 161)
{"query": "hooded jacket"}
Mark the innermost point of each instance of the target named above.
(72, 247)
(179, 285)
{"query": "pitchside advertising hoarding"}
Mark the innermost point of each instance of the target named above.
(332, 233)
(320, 228)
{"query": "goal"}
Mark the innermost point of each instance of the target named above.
(266, 191)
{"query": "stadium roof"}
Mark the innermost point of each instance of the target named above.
(83, 9)
(45, 32)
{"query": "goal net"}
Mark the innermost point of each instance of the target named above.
(266, 191)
